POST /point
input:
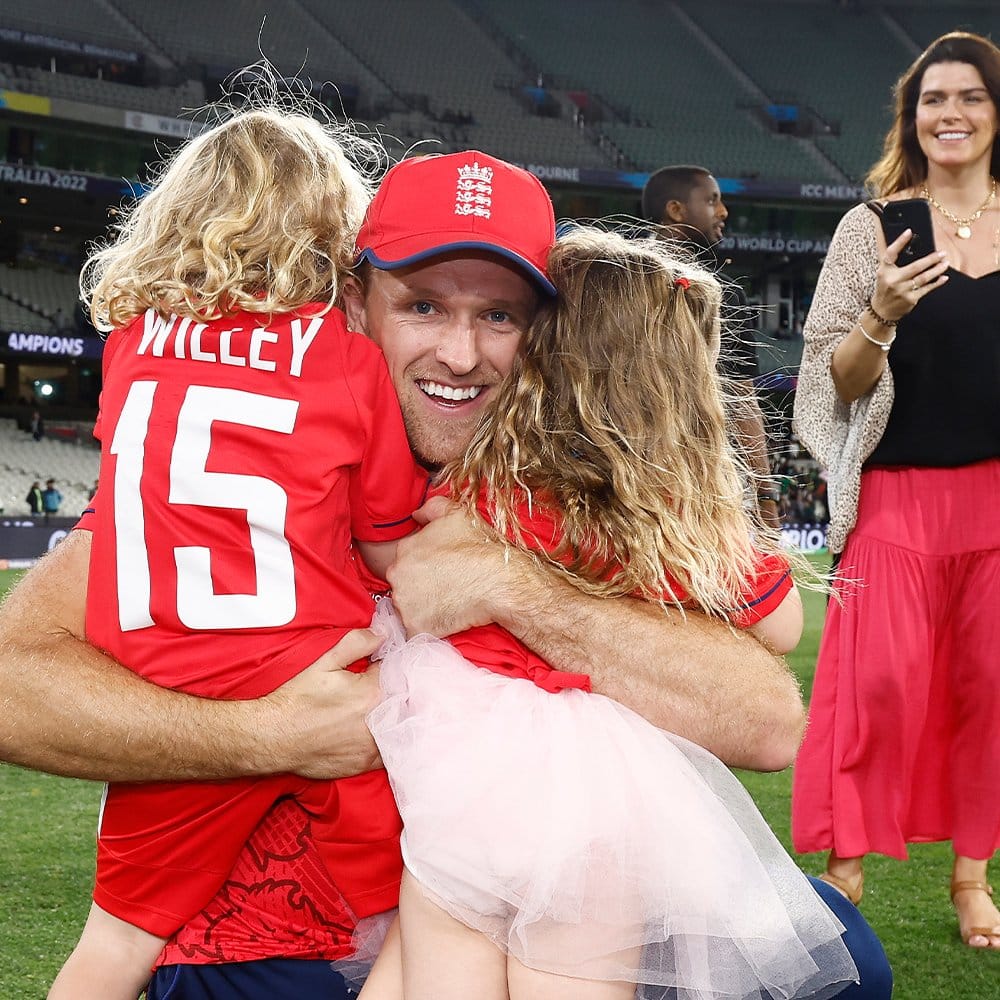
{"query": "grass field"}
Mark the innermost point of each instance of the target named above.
(46, 866)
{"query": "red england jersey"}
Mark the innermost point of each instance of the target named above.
(278, 902)
(238, 460)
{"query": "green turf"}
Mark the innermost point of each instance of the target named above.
(47, 829)
(46, 866)
(46, 874)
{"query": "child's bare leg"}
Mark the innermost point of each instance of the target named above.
(530, 984)
(442, 958)
(385, 981)
(111, 961)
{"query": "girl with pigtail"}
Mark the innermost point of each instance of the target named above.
(557, 845)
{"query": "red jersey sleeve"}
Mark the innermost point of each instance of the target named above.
(107, 356)
(388, 485)
(765, 590)
(88, 519)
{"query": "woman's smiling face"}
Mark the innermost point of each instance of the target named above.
(956, 119)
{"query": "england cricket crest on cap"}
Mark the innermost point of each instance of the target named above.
(474, 191)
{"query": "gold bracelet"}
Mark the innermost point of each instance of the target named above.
(883, 345)
(881, 320)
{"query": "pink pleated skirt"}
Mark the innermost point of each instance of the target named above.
(903, 743)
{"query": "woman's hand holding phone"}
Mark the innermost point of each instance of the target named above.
(899, 288)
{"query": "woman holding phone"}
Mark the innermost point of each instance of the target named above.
(898, 397)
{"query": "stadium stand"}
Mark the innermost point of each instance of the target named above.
(675, 101)
(194, 32)
(172, 101)
(923, 22)
(87, 21)
(441, 62)
(805, 65)
(24, 460)
(15, 316)
(663, 81)
(39, 290)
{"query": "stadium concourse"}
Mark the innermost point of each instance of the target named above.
(785, 101)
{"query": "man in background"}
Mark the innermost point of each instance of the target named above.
(51, 498)
(34, 499)
(687, 203)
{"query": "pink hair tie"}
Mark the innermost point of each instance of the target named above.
(682, 282)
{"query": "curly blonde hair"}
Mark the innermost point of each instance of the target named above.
(613, 417)
(258, 213)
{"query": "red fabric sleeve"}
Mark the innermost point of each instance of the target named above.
(765, 590)
(388, 485)
(88, 519)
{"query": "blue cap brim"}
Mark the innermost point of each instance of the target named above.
(392, 265)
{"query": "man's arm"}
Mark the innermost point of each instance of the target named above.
(748, 423)
(738, 362)
(67, 708)
(688, 674)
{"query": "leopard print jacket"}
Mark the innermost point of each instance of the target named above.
(840, 436)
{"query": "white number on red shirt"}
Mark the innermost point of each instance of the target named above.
(266, 504)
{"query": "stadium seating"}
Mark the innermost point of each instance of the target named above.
(924, 22)
(172, 101)
(23, 460)
(40, 289)
(286, 33)
(14, 316)
(79, 20)
(675, 101)
(666, 81)
(813, 56)
(441, 60)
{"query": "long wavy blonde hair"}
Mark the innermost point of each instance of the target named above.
(613, 417)
(258, 213)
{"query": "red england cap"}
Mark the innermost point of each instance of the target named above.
(432, 205)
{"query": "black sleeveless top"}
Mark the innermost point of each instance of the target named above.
(946, 369)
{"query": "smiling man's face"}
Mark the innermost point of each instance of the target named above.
(704, 210)
(450, 329)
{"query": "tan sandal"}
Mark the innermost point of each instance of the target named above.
(971, 932)
(849, 889)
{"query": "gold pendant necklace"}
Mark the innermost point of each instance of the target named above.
(964, 230)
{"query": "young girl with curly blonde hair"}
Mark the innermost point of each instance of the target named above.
(556, 844)
(247, 438)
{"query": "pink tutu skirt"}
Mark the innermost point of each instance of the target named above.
(585, 842)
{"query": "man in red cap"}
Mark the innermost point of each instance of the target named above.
(452, 260)
(451, 269)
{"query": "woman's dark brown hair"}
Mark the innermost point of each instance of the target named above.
(903, 164)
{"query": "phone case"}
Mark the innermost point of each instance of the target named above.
(910, 213)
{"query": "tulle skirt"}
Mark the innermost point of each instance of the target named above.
(585, 842)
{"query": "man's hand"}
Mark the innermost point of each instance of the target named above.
(446, 576)
(319, 714)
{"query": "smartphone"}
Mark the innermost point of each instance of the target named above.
(910, 213)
